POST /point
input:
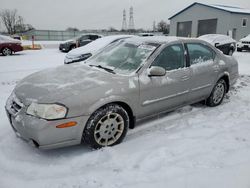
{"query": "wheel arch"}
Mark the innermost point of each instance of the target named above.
(9, 47)
(126, 107)
(225, 77)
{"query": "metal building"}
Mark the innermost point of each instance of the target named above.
(199, 19)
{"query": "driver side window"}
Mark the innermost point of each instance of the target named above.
(171, 58)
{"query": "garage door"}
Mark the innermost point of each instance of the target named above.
(207, 27)
(184, 29)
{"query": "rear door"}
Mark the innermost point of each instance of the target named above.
(161, 93)
(93, 37)
(202, 60)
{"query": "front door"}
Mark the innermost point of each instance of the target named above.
(161, 93)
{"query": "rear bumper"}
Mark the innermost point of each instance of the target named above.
(64, 48)
(18, 49)
(43, 133)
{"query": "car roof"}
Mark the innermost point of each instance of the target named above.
(83, 34)
(160, 39)
(4, 39)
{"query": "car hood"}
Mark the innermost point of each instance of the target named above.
(217, 39)
(9, 40)
(245, 39)
(68, 41)
(52, 85)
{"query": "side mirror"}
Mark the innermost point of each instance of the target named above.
(216, 44)
(156, 71)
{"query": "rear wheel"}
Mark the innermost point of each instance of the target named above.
(231, 51)
(218, 93)
(106, 127)
(6, 51)
(72, 47)
(239, 50)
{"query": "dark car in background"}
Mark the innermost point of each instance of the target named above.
(223, 42)
(81, 40)
(9, 45)
(145, 34)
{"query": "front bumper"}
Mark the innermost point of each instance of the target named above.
(244, 46)
(18, 48)
(43, 133)
(64, 47)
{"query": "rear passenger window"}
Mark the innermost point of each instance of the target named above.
(93, 37)
(199, 53)
(170, 58)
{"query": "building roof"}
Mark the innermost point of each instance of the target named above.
(230, 9)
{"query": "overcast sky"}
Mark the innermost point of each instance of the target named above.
(100, 14)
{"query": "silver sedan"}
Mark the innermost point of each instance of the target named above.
(98, 100)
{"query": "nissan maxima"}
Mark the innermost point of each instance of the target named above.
(99, 100)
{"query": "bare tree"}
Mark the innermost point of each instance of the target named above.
(112, 29)
(163, 27)
(13, 22)
(10, 19)
(154, 26)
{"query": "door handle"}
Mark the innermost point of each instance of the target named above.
(216, 68)
(184, 78)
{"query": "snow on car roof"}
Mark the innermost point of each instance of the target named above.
(217, 38)
(247, 37)
(4, 38)
(97, 44)
(154, 39)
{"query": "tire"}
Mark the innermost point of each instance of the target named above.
(106, 127)
(239, 50)
(72, 47)
(231, 51)
(6, 51)
(218, 93)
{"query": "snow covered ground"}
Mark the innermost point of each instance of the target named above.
(193, 147)
(44, 44)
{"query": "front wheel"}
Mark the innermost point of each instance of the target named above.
(106, 127)
(218, 93)
(6, 51)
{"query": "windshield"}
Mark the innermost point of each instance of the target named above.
(123, 57)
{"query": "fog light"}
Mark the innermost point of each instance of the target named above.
(66, 125)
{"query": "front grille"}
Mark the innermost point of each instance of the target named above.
(245, 42)
(14, 105)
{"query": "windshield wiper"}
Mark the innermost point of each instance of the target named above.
(104, 68)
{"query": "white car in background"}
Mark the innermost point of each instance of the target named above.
(85, 52)
(244, 44)
(223, 42)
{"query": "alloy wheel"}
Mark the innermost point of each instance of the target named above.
(109, 129)
(218, 93)
(6, 51)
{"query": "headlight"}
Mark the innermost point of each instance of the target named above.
(47, 111)
(85, 56)
(71, 59)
